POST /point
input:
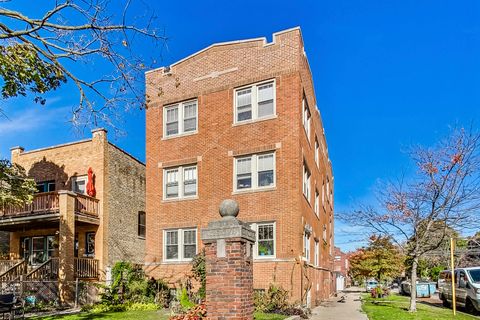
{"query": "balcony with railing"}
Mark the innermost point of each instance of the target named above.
(46, 206)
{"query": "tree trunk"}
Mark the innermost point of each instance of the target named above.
(413, 290)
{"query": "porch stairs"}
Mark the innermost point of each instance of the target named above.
(46, 271)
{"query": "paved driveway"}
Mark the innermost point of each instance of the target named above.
(334, 310)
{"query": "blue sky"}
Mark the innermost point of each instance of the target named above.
(387, 74)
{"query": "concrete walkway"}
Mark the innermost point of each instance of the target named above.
(334, 310)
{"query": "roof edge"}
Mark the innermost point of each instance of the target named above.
(218, 44)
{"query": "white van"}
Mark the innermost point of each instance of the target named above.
(467, 288)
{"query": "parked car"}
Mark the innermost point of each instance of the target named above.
(371, 284)
(467, 288)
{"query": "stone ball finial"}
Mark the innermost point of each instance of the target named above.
(229, 208)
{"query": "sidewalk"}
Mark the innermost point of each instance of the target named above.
(334, 310)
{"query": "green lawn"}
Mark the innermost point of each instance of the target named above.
(144, 315)
(397, 306)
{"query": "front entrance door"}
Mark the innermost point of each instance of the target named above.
(37, 250)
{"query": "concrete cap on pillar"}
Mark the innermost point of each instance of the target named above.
(229, 208)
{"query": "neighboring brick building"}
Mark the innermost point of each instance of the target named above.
(341, 268)
(87, 233)
(240, 120)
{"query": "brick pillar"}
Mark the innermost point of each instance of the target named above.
(66, 246)
(229, 266)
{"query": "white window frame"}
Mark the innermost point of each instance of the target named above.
(306, 176)
(181, 186)
(181, 119)
(323, 194)
(75, 179)
(317, 151)
(316, 261)
(254, 96)
(180, 244)
(254, 172)
(317, 203)
(254, 226)
(306, 246)
(306, 117)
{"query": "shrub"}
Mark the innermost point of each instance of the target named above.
(274, 300)
(185, 300)
(199, 272)
(196, 313)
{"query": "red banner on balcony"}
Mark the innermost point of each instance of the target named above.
(91, 183)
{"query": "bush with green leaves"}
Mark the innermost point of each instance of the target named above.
(275, 299)
(199, 273)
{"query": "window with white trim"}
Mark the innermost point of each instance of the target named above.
(306, 182)
(306, 117)
(179, 244)
(79, 184)
(255, 102)
(264, 246)
(317, 150)
(323, 194)
(180, 118)
(316, 260)
(328, 189)
(306, 246)
(180, 182)
(254, 171)
(317, 204)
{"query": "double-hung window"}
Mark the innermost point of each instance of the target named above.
(317, 151)
(306, 117)
(328, 189)
(325, 233)
(255, 171)
(306, 182)
(255, 102)
(306, 246)
(317, 254)
(323, 194)
(141, 224)
(265, 235)
(180, 118)
(180, 182)
(179, 244)
(317, 204)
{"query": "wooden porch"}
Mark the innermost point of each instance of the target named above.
(46, 207)
(15, 270)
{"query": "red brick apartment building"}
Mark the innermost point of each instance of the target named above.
(341, 267)
(240, 120)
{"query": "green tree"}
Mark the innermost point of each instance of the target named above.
(15, 187)
(40, 53)
(380, 259)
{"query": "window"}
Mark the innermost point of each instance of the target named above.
(325, 233)
(306, 117)
(180, 118)
(306, 246)
(141, 224)
(38, 250)
(317, 205)
(180, 182)
(328, 189)
(265, 235)
(180, 244)
(316, 262)
(255, 171)
(323, 194)
(50, 246)
(46, 186)
(316, 152)
(90, 244)
(79, 184)
(306, 182)
(255, 102)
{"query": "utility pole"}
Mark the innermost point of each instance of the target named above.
(454, 302)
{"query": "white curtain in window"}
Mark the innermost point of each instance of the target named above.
(172, 114)
(244, 97)
(265, 162)
(265, 92)
(244, 165)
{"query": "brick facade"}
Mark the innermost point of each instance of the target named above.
(211, 76)
(120, 189)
